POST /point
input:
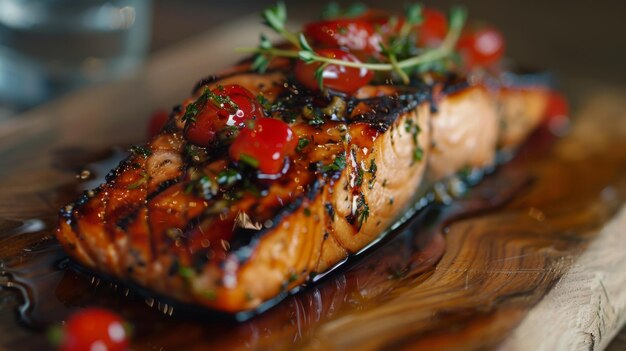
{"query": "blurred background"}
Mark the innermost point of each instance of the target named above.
(51, 47)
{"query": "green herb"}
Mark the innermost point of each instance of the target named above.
(228, 177)
(414, 14)
(411, 127)
(260, 63)
(373, 168)
(333, 10)
(276, 17)
(319, 75)
(144, 179)
(317, 120)
(338, 164)
(292, 278)
(249, 160)
(359, 176)
(141, 150)
(304, 44)
(193, 109)
(418, 153)
(372, 171)
(264, 102)
(307, 212)
(302, 143)
(191, 151)
(186, 272)
(362, 210)
(203, 186)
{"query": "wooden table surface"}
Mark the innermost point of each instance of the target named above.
(595, 281)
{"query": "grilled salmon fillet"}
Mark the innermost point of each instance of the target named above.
(353, 180)
(211, 213)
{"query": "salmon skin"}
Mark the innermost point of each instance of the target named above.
(191, 224)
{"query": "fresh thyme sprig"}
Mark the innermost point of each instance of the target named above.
(276, 17)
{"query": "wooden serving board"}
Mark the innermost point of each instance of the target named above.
(534, 258)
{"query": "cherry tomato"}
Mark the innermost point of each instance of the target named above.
(340, 78)
(353, 34)
(156, 123)
(481, 47)
(216, 115)
(264, 146)
(433, 29)
(557, 106)
(94, 329)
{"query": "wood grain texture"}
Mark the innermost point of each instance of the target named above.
(587, 307)
(544, 272)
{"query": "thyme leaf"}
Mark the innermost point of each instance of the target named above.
(302, 143)
(338, 164)
(275, 18)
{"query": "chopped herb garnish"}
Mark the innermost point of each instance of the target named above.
(372, 171)
(317, 120)
(193, 109)
(411, 127)
(307, 212)
(141, 150)
(228, 177)
(338, 164)
(362, 210)
(265, 103)
(144, 179)
(302, 143)
(292, 278)
(249, 160)
(418, 154)
(186, 272)
(359, 176)
(203, 186)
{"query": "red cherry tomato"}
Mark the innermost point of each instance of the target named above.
(482, 47)
(433, 29)
(558, 106)
(94, 329)
(353, 34)
(265, 146)
(156, 123)
(216, 115)
(341, 78)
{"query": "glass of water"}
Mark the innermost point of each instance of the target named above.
(48, 47)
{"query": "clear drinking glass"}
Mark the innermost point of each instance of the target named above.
(48, 47)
